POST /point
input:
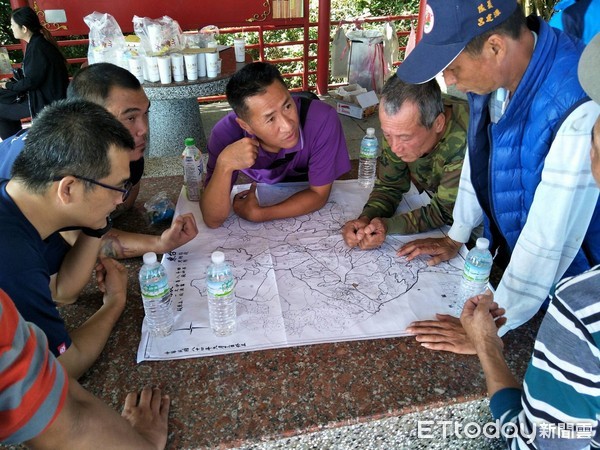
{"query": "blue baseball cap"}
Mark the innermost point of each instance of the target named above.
(449, 26)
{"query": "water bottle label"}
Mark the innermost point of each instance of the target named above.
(368, 151)
(476, 274)
(155, 291)
(220, 288)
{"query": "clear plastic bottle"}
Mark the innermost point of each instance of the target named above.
(156, 296)
(193, 169)
(367, 165)
(220, 286)
(476, 273)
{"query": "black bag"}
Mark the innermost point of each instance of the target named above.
(8, 97)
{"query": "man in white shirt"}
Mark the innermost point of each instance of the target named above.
(526, 175)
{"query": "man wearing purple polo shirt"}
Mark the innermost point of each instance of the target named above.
(271, 137)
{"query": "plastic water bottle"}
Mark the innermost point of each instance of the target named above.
(367, 165)
(156, 296)
(220, 285)
(476, 273)
(193, 169)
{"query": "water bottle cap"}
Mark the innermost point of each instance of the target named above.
(482, 244)
(149, 258)
(217, 257)
(189, 142)
(370, 131)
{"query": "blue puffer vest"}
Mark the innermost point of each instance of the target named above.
(506, 173)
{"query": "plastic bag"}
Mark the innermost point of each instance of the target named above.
(391, 48)
(159, 208)
(107, 43)
(367, 65)
(158, 36)
(340, 51)
(5, 65)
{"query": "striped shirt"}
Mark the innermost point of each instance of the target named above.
(33, 385)
(561, 390)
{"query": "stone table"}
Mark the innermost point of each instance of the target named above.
(244, 398)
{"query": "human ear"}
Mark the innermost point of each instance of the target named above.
(496, 44)
(65, 190)
(245, 126)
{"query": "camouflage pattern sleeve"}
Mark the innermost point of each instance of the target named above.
(393, 180)
(439, 210)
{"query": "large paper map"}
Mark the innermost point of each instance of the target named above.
(297, 281)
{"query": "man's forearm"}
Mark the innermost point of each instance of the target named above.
(303, 202)
(497, 374)
(215, 202)
(122, 244)
(75, 269)
(89, 339)
(84, 422)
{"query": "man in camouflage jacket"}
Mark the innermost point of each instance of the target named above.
(425, 141)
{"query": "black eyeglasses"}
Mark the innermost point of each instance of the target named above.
(125, 190)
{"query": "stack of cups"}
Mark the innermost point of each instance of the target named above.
(152, 69)
(239, 45)
(136, 67)
(201, 64)
(164, 69)
(177, 65)
(191, 66)
(212, 61)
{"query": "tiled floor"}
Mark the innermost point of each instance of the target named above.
(354, 130)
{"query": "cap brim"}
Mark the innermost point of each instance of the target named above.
(426, 61)
(588, 69)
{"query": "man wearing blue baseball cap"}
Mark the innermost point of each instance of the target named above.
(526, 173)
(558, 405)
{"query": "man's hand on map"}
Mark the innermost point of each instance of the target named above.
(238, 155)
(351, 228)
(182, 230)
(363, 233)
(245, 204)
(441, 249)
(447, 333)
(373, 235)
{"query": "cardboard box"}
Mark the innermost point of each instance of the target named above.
(359, 106)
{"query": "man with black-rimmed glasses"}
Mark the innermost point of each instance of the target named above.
(72, 173)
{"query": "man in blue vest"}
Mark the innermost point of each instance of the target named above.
(526, 175)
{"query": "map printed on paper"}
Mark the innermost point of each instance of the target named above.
(297, 281)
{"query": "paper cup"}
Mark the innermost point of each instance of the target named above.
(164, 69)
(136, 67)
(239, 45)
(154, 32)
(178, 67)
(152, 69)
(191, 66)
(201, 64)
(212, 65)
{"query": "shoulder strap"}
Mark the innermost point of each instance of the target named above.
(304, 105)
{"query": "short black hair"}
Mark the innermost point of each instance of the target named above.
(69, 137)
(94, 82)
(427, 96)
(252, 79)
(511, 27)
